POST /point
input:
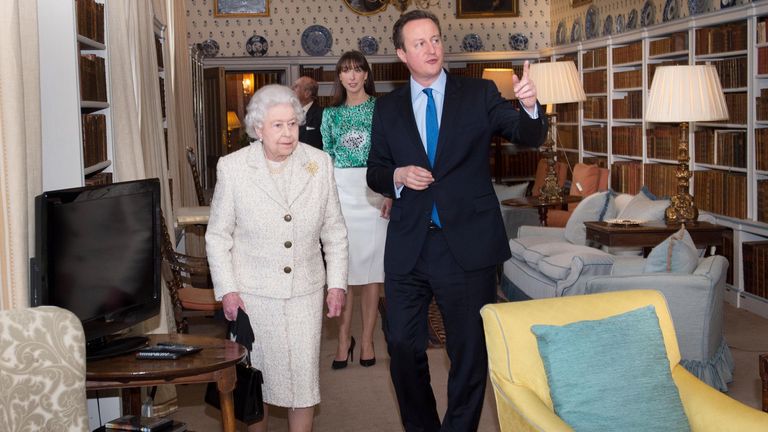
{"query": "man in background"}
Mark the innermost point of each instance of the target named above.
(306, 90)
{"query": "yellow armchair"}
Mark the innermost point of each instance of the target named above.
(520, 382)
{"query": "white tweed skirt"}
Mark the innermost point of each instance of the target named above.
(366, 229)
(287, 347)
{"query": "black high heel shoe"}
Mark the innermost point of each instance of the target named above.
(367, 362)
(341, 364)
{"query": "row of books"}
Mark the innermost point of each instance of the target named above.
(761, 149)
(762, 200)
(762, 31)
(595, 138)
(721, 192)
(626, 177)
(568, 112)
(720, 39)
(629, 107)
(90, 19)
(761, 105)
(628, 79)
(732, 71)
(721, 147)
(94, 138)
(628, 53)
(475, 70)
(737, 108)
(663, 142)
(652, 67)
(515, 164)
(595, 81)
(570, 57)
(754, 257)
(596, 108)
(660, 179)
(93, 78)
(627, 140)
(570, 158)
(568, 137)
(600, 161)
(673, 43)
(597, 57)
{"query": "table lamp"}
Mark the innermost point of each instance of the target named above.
(556, 82)
(682, 94)
(502, 77)
(233, 122)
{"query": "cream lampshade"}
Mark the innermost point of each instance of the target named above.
(233, 122)
(556, 82)
(503, 79)
(682, 94)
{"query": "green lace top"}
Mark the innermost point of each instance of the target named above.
(346, 132)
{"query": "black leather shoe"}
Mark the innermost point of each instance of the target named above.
(341, 364)
(367, 362)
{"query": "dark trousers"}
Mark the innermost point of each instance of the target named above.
(459, 295)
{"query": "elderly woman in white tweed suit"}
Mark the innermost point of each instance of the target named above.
(274, 202)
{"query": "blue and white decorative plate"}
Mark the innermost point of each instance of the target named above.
(576, 30)
(632, 20)
(671, 10)
(257, 45)
(620, 23)
(648, 15)
(591, 23)
(562, 33)
(316, 40)
(727, 3)
(210, 48)
(472, 43)
(608, 26)
(368, 45)
(518, 42)
(696, 7)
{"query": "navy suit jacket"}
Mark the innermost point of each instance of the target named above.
(473, 111)
(309, 132)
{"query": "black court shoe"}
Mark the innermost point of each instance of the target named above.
(366, 362)
(341, 364)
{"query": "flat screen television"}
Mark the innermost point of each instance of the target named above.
(97, 254)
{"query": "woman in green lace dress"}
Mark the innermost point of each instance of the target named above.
(346, 131)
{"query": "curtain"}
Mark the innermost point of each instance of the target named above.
(20, 147)
(138, 143)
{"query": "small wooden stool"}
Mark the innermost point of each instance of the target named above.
(763, 361)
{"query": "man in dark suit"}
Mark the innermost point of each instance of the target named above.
(306, 90)
(430, 151)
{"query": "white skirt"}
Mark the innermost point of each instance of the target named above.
(366, 229)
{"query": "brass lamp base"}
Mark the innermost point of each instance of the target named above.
(551, 191)
(681, 207)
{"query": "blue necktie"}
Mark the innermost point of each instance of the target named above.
(433, 130)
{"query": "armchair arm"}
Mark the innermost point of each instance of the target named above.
(520, 409)
(623, 265)
(709, 410)
(556, 234)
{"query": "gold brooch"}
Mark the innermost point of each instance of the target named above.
(312, 167)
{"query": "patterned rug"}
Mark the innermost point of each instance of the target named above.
(434, 323)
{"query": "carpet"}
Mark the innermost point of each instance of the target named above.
(435, 326)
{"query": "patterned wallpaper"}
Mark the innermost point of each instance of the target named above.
(617, 16)
(289, 18)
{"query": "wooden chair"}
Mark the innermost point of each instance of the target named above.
(202, 197)
(188, 279)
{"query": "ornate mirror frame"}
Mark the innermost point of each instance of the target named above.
(366, 7)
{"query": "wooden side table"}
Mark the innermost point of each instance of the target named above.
(542, 206)
(215, 363)
(649, 234)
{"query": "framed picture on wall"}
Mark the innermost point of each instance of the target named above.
(577, 3)
(240, 8)
(487, 8)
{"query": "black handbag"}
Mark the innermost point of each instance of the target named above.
(248, 400)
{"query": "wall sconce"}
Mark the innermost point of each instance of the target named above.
(247, 84)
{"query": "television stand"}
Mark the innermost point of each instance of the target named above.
(101, 348)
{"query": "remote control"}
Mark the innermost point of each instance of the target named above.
(177, 347)
(158, 355)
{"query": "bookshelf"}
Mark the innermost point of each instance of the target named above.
(74, 78)
(729, 159)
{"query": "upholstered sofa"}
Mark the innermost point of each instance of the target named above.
(552, 262)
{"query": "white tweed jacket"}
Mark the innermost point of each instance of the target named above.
(263, 244)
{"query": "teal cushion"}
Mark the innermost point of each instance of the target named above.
(611, 374)
(676, 254)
